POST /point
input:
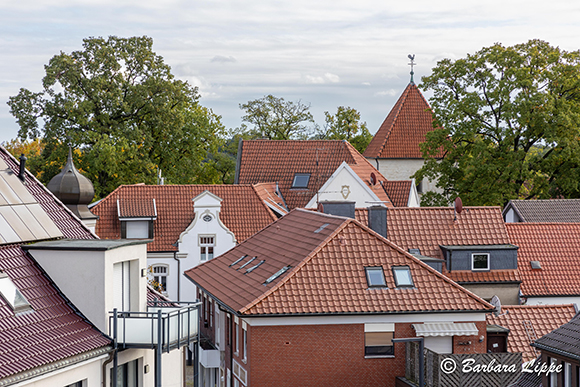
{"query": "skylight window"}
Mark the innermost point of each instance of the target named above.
(376, 277)
(246, 264)
(415, 251)
(277, 274)
(321, 228)
(254, 267)
(301, 180)
(238, 260)
(535, 265)
(12, 295)
(402, 276)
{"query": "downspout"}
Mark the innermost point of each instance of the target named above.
(377, 161)
(104, 372)
(178, 273)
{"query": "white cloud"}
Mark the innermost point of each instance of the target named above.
(223, 59)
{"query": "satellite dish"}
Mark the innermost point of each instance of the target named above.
(495, 301)
(373, 178)
(458, 204)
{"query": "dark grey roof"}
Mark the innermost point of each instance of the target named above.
(480, 247)
(86, 244)
(550, 210)
(530, 379)
(564, 341)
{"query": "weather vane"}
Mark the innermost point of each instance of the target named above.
(412, 57)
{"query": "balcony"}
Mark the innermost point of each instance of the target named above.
(164, 327)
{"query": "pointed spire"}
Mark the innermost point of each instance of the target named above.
(412, 57)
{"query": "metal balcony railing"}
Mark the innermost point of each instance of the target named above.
(163, 327)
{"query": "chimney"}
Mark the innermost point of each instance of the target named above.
(378, 219)
(338, 208)
(22, 172)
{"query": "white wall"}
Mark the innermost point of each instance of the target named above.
(89, 371)
(511, 216)
(86, 278)
(552, 300)
(189, 248)
(403, 169)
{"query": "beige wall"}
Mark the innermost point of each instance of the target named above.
(402, 169)
(507, 293)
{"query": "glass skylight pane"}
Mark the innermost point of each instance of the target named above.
(11, 294)
(276, 275)
(300, 180)
(403, 276)
(375, 276)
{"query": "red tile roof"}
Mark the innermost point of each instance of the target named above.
(55, 330)
(278, 161)
(136, 208)
(327, 256)
(242, 210)
(427, 228)
(269, 193)
(557, 247)
(543, 319)
(404, 128)
(398, 191)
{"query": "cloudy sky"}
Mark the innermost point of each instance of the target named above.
(324, 53)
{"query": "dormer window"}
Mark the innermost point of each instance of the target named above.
(402, 276)
(301, 180)
(479, 261)
(137, 217)
(12, 295)
(376, 277)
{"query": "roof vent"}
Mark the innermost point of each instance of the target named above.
(246, 264)
(254, 267)
(535, 265)
(415, 251)
(319, 229)
(238, 260)
(277, 274)
(22, 172)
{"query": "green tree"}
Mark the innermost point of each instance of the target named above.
(346, 125)
(507, 120)
(277, 119)
(118, 103)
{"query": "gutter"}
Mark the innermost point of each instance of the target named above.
(48, 370)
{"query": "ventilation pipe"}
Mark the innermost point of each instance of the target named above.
(22, 172)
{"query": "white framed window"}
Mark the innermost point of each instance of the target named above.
(206, 246)
(137, 229)
(402, 275)
(375, 277)
(237, 342)
(480, 261)
(160, 273)
(379, 340)
(122, 286)
(239, 373)
(244, 343)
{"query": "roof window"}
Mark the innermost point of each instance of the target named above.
(321, 228)
(246, 264)
(249, 270)
(12, 295)
(415, 251)
(376, 277)
(402, 276)
(535, 265)
(277, 274)
(238, 260)
(301, 180)
(480, 261)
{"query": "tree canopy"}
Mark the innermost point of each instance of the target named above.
(507, 120)
(277, 119)
(346, 124)
(118, 102)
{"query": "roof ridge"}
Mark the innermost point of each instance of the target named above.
(417, 260)
(298, 267)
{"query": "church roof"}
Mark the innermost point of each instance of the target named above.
(404, 128)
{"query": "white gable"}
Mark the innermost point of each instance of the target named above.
(345, 184)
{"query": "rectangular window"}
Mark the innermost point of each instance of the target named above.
(237, 348)
(375, 277)
(77, 384)
(211, 312)
(122, 286)
(244, 344)
(480, 261)
(160, 277)
(301, 180)
(138, 229)
(228, 328)
(553, 378)
(379, 340)
(402, 276)
(127, 374)
(206, 244)
(567, 375)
